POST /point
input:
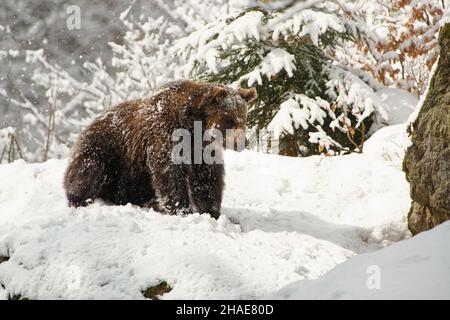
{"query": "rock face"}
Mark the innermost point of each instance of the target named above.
(427, 161)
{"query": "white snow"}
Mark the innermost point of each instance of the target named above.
(289, 116)
(399, 104)
(297, 219)
(446, 16)
(275, 61)
(358, 94)
(413, 269)
(308, 23)
(413, 116)
(393, 106)
(322, 139)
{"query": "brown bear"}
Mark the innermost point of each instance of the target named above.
(125, 155)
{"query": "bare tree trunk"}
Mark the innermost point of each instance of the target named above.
(50, 131)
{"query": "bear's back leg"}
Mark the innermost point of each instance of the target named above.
(86, 176)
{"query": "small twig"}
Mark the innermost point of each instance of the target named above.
(51, 124)
(19, 150)
(11, 150)
(3, 153)
(363, 136)
(51, 120)
(362, 130)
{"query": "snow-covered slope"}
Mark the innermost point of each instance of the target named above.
(414, 269)
(284, 219)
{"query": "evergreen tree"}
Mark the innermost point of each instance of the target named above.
(309, 103)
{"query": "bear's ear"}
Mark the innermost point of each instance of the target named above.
(218, 94)
(248, 94)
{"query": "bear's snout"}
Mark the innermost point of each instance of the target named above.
(235, 140)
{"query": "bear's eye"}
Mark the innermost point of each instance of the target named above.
(229, 123)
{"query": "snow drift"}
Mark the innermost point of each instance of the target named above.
(413, 269)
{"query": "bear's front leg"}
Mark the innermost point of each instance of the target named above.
(171, 191)
(205, 186)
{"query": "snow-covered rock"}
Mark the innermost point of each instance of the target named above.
(284, 219)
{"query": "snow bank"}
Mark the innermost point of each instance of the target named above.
(284, 219)
(413, 269)
(399, 104)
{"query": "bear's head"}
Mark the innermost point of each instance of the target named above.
(221, 109)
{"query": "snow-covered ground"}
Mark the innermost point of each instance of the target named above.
(414, 269)
(284, 219)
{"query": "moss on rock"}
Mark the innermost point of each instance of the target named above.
(427, 161)
(155, 292)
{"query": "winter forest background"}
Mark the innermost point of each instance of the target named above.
(325, 71)
(364, 79)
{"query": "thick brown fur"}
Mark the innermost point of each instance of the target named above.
(124, 156)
